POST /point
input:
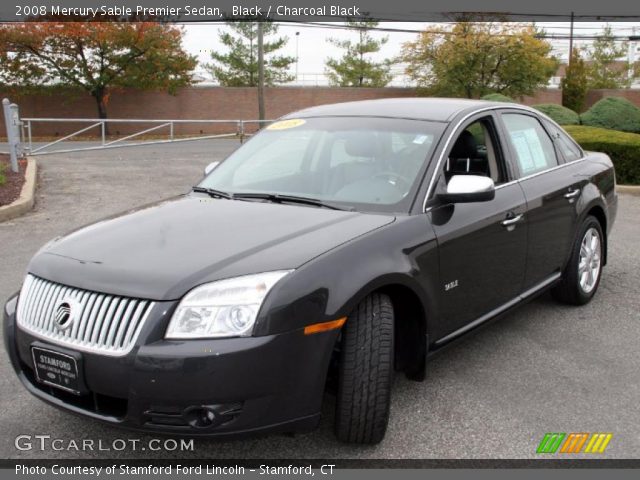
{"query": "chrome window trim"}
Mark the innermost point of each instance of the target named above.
(487, 109)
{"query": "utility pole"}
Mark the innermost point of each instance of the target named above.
(297, 57)
(631, 53)
(571, 40)
(260, 71)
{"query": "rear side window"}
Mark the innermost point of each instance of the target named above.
(532, 146)
(567, 147)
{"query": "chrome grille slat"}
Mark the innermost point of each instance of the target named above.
(93, 317)
(104, 324)
(76, 325)
(54, 298)
(85, 316)
(43, 314)
(40, 299)
(127, 314)
(27, 285)
(111, 324)
(30, 297)
(133, 325)
(115, 326)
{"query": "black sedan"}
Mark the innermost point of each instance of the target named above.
(340, 245)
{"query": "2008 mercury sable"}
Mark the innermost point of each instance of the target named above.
(341, 244)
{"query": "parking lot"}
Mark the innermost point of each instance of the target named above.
(544, 368)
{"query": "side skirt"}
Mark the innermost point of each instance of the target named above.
(524, 296)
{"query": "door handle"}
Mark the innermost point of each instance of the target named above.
(572, 194)
(511, 221)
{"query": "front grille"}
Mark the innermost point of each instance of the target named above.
(93, 322)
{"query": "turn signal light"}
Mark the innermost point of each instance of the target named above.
(324, 326)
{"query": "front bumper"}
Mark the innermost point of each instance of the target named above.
(242, 385)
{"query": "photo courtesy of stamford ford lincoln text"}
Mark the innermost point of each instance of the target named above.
(297, 239)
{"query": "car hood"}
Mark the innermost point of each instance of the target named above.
(162, 250)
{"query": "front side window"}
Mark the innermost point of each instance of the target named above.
(475, 151)
(370, 164)
(532, 147)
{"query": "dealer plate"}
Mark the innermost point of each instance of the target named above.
(56, 369)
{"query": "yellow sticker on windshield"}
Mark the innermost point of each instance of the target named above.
(285, 124)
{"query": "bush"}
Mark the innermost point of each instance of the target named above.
(498, 97)
(614, 113)
(3, 178)
(558, 113)
(623, 148)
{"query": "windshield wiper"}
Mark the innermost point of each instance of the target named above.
(281, 198)
(213, 192)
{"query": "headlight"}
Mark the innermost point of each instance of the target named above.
(226, 308)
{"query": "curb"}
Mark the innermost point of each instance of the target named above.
(25, 201)
(628, 189)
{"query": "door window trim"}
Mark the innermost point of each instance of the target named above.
(499, 110)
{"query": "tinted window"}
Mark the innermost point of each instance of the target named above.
(566, 145)
(531, 145)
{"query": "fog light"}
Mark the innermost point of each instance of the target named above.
(200, 417)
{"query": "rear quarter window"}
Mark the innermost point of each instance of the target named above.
(570, 151)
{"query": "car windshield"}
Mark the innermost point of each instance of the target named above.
(362, 163)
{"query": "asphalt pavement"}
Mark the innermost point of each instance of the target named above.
(544, 368)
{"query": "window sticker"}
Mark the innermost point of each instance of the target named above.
(420, 139)
(529, 149)
(286, 124)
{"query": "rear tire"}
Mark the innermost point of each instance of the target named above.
(581, 278)
(365, 372)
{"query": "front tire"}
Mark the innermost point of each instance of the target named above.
(581, 278)
(365, 372)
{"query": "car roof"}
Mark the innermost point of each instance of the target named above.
(434, 109)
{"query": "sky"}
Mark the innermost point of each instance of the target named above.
(313, 47)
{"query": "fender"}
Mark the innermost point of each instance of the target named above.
(594, 194)
(331, 285)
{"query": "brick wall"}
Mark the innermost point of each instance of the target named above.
(189, 103)
(632, 95)
(218, 103)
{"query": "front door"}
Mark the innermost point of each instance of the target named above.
(482, 246)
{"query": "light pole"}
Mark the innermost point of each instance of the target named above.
(571, 40)
(297, 38)
(260, 71)
(631, 54)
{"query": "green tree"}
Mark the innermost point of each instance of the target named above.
(97, 57)
(472, 59)
(606, 68)
(354, 68)
(239, 66)
(575, 83)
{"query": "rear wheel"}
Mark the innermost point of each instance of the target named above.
(365, 372)
(581, 278)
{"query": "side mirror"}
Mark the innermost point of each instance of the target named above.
(468, 188)
(210, 168)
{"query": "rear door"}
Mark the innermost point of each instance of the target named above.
(551, 191)
(482, 246)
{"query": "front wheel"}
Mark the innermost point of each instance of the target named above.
(365, 372)
(581, 278)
